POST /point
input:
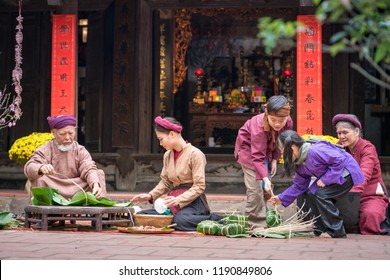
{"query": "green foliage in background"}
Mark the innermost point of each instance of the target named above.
(364, 29)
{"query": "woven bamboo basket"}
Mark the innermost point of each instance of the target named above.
(157, 221)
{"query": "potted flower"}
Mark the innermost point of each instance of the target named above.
(23, 148)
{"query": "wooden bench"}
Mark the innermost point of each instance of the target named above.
(98, 216)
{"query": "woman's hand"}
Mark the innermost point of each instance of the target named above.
(275, 200)
(320, 183)
(274, 167)
(141, 197)
(170, 201)
(267, 185)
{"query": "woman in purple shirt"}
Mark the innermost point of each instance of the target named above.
(335, 172)
(255, 148)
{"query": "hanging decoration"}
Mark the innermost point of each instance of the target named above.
(11, 112)
(63, 83)
(309, 76)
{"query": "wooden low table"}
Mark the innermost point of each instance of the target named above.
(98, 216)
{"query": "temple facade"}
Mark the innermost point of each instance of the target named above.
(137, 59)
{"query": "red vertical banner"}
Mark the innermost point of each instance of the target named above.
(309, 76)
(63, 73)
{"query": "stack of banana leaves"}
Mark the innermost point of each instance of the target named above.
(47, 196)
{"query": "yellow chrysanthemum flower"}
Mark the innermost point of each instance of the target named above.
(328, 138)
(23, 148)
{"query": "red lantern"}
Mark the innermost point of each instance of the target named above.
(287, 72)
(199, 72)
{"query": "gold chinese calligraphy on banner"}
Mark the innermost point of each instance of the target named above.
(163, 69)
(309, 76)
(63, 77)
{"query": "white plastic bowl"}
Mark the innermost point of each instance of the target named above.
(160, 206)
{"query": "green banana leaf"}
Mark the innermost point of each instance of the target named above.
(273, 218)
(87, 198)
(43, 196)
(7, 221)
(104, 201)
(209, 227)
(239, 235)
(79, 199)
(5, 218)
(282, 236)
(273, 235)
(60, 200)
(47, 196)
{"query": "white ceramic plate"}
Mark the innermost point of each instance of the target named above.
(160, 206)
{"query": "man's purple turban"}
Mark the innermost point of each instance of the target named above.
(58, 122)
(347, 118)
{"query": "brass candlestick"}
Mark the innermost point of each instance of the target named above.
(199, 99)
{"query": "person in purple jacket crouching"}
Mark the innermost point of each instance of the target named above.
(335, 172)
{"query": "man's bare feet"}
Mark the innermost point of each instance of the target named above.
(325, 235)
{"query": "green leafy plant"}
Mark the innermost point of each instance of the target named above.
(363, 27)
(23, 148)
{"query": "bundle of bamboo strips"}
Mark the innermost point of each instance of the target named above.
(296, 225)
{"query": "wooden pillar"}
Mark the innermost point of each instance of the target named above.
(124, 125)
(144, 76)
(94, 82)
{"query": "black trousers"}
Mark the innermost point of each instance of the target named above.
(190, 216)
(322, 205)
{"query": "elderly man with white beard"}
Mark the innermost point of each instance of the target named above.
(64, 164)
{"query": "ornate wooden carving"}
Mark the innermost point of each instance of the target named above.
(182, 41)
(183, 33)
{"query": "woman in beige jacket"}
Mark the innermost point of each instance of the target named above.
(182, 178)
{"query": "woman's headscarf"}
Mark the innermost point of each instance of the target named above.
(278, 106)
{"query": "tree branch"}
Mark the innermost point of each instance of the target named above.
(368, 76)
